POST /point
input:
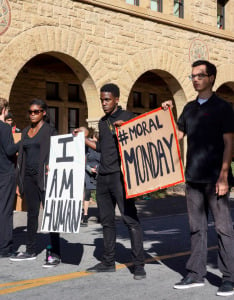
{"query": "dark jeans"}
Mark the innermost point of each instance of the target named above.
(34, 197)
(7, 197)
(110, 190)
(200, 197)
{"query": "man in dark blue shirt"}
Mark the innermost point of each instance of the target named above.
(7, 181)
(208, 123)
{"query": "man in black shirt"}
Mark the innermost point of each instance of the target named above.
(208, 123)
(7, 181)
(110, 187)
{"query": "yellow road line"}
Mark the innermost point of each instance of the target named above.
(12, 287)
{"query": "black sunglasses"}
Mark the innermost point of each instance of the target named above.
(35, 112)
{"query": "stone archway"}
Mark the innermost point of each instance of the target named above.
(225, 75)
(173, 71)
(66, 45)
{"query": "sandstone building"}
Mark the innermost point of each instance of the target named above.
(64, 51)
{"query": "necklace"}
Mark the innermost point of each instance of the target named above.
(35, 129)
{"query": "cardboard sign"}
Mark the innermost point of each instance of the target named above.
(65, 185)
(149, 153)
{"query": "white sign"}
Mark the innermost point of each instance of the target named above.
(65, 185)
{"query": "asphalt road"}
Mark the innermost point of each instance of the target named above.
(166, 243)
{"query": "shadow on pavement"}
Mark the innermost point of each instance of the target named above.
(71, 253)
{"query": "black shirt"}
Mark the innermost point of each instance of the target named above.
(31, 146)
(204, 126)
(8, 149)
(108, 144)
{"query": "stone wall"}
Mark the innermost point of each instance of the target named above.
(102, 41)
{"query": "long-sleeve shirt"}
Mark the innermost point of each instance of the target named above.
(107, 144)
(8, 149)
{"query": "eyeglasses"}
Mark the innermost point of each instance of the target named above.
(35, 112)
(199, 76)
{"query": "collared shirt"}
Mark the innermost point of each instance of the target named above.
(204, 126)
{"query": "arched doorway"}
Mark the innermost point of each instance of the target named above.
(148, 92)
(226, 91)
(49, 76)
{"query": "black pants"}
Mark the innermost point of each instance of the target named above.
(34, 197)
(7, 197)
(110, 190)
(200, 197)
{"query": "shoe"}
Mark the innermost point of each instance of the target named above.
(23, 256)
(139, 273)
(100, 267)
(84, 222)
(52, 261)
(226, 289)
(188, 282)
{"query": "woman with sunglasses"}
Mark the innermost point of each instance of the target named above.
(32, 165)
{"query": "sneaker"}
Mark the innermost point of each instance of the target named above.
(100, 267)
(226, 289)
(52, 261)
(139, 273)
(84, 222)
(188, 282)
(23, 256)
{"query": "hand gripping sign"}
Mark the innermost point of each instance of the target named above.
(149, 153)
(65, 185)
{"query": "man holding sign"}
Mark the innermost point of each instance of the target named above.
(110, 188)
(208, 124)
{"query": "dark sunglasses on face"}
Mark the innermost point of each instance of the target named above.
(35, 112)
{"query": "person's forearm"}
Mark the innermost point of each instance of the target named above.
(90, 143)
(222, 185)
(227, 155)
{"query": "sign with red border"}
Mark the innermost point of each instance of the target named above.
(150, 153)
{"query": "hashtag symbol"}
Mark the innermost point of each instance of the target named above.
(122, 137)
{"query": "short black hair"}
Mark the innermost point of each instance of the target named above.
(111, 88)
(9, 116)
(210, 68)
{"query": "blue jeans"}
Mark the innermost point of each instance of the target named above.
(200, 198)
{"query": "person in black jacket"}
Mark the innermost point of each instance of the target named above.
(32, 166)
(110, 187)
(8, 150)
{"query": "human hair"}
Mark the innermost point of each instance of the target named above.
(9, 116)
(210, 68)
(3, 104)
(111, 88)
(43, 106)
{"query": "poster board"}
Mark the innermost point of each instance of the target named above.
(65, 184)
(149, 152)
